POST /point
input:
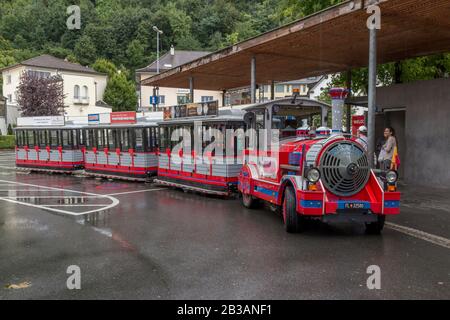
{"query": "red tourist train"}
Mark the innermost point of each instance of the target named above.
(275, 158)
(323, 176)
(186, 162)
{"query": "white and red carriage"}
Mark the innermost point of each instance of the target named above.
(193, 148)
(58, 148)
(123, 151)
(325, 176)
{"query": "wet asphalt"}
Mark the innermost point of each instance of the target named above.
(158, 243)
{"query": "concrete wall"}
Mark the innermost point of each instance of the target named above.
(427, 129)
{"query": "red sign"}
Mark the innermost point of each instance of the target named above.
(123, 117)
(357, 121)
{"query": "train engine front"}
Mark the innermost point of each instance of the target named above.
(322, 175)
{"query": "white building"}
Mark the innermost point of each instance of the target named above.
(83, 86)
(172, 96)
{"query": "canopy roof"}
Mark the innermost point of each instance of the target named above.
(333, 40)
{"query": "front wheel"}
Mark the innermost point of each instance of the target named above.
(248, 201)
(293, 223)
(376, 227)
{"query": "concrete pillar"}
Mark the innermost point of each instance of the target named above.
(372, 94)
(338, 96)
(191, 89)
(253, 80)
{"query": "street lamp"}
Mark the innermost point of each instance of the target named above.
(158, 32)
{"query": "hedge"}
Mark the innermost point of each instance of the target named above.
(7, 142)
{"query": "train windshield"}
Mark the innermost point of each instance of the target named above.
(287, 118)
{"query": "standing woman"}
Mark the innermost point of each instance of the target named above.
(387, 149)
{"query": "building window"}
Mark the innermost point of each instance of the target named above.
(85, 93)
(38, 74)
(9, 98)
(76, 92)
(162, 99)
(207, 98)
(182, 99)
(8, 79)
(279, 88)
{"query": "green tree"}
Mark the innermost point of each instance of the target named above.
(85, 50)
(105, 66)
(120, 93)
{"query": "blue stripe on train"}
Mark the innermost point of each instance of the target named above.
(392, 204)
(312, 204)
(266, 191)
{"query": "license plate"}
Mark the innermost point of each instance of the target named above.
(352, 205)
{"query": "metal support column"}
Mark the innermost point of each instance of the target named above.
(272, 90)
(372, 93)
(224, 96)
(253, 80)
(349, 107)
(191, 89)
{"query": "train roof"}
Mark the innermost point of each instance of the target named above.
(68, 127)
(299, 102)
(226, 114)
(121, 125)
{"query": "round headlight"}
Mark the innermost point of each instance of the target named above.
(313, 175)
(391, 176)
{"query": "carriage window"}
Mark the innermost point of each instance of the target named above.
(75, 138)
(163, 133)
(124, 139)
(86, 138)
(54, 138)
(30, 134)
(152, 138)
(19, 142)
(100, 142)
(66, 138)
(111, 138)
(43, 138)
(139, 140)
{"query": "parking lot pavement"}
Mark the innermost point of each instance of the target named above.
(156, 243)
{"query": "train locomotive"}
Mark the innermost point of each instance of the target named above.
(322, 175)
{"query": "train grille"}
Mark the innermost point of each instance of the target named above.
(345, 168)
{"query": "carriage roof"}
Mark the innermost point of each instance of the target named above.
(225, 115)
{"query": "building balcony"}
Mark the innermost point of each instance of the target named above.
(81, 100)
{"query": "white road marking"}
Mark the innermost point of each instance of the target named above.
(72, 205)
(130, 192)
(437, 240)
(114, 201)
(54, 197)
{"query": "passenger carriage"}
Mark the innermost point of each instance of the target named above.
(57, 148)
(312, 174)
(122, 151)
(187, 157)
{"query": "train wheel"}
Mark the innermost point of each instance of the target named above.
(248, 201)
(376, 227)
(293, 223)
